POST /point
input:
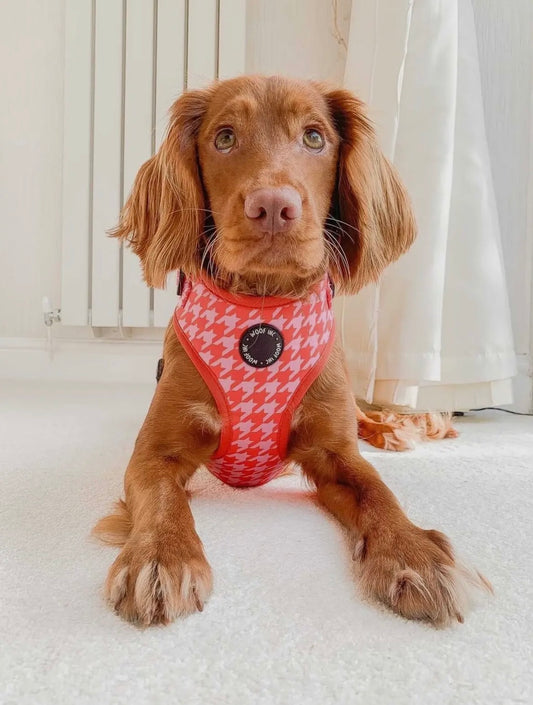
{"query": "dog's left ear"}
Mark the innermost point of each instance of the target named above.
(376, 223)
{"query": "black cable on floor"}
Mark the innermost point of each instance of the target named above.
(499, 408)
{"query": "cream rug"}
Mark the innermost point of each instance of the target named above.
(285, 624)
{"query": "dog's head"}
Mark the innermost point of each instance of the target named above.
(265, 184)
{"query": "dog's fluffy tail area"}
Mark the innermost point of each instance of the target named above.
(114, 529)
(391, 430)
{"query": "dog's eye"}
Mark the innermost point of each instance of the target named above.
(313, 139)
(225, 140)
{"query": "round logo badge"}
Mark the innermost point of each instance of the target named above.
(261, 345)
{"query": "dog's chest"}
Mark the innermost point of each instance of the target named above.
(258, 357)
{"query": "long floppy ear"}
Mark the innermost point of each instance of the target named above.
(163, 218)
(375, 221)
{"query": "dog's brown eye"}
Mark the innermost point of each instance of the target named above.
(313, 139)
(225, 140)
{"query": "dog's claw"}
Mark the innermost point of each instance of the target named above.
(199, 603)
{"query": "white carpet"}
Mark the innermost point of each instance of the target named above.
(285, 624)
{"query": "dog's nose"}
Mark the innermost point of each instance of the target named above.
(273, 210)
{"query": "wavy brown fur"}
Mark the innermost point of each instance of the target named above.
(115, 528)
(391, 430)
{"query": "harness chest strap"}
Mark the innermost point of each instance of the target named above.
(258, 357)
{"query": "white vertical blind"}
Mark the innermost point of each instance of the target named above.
(231, 38)
(77, 163)
(202, 45)
(138, 118)
(170, 81)
(107, 155)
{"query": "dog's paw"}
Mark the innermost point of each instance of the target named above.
(415, 573)
(153, 582)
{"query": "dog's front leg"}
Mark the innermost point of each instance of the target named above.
(410, 569)
(161, 571)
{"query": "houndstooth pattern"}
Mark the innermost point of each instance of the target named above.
(256, 398)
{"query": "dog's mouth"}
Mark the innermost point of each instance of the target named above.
(245, 253)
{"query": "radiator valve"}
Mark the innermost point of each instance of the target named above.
(51, 315)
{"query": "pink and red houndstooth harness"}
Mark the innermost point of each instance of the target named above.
(258, 357)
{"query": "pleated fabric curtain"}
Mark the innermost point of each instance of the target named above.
(434, 333)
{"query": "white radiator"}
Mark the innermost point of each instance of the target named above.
(126, 61)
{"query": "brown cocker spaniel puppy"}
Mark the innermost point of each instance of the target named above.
(263, 190)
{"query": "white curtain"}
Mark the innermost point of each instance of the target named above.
(435, 333)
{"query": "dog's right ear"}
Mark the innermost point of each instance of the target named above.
(370, 204)
(163, 218)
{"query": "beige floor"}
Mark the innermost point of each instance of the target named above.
(285, 623)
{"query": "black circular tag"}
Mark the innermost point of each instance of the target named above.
(261, 345)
